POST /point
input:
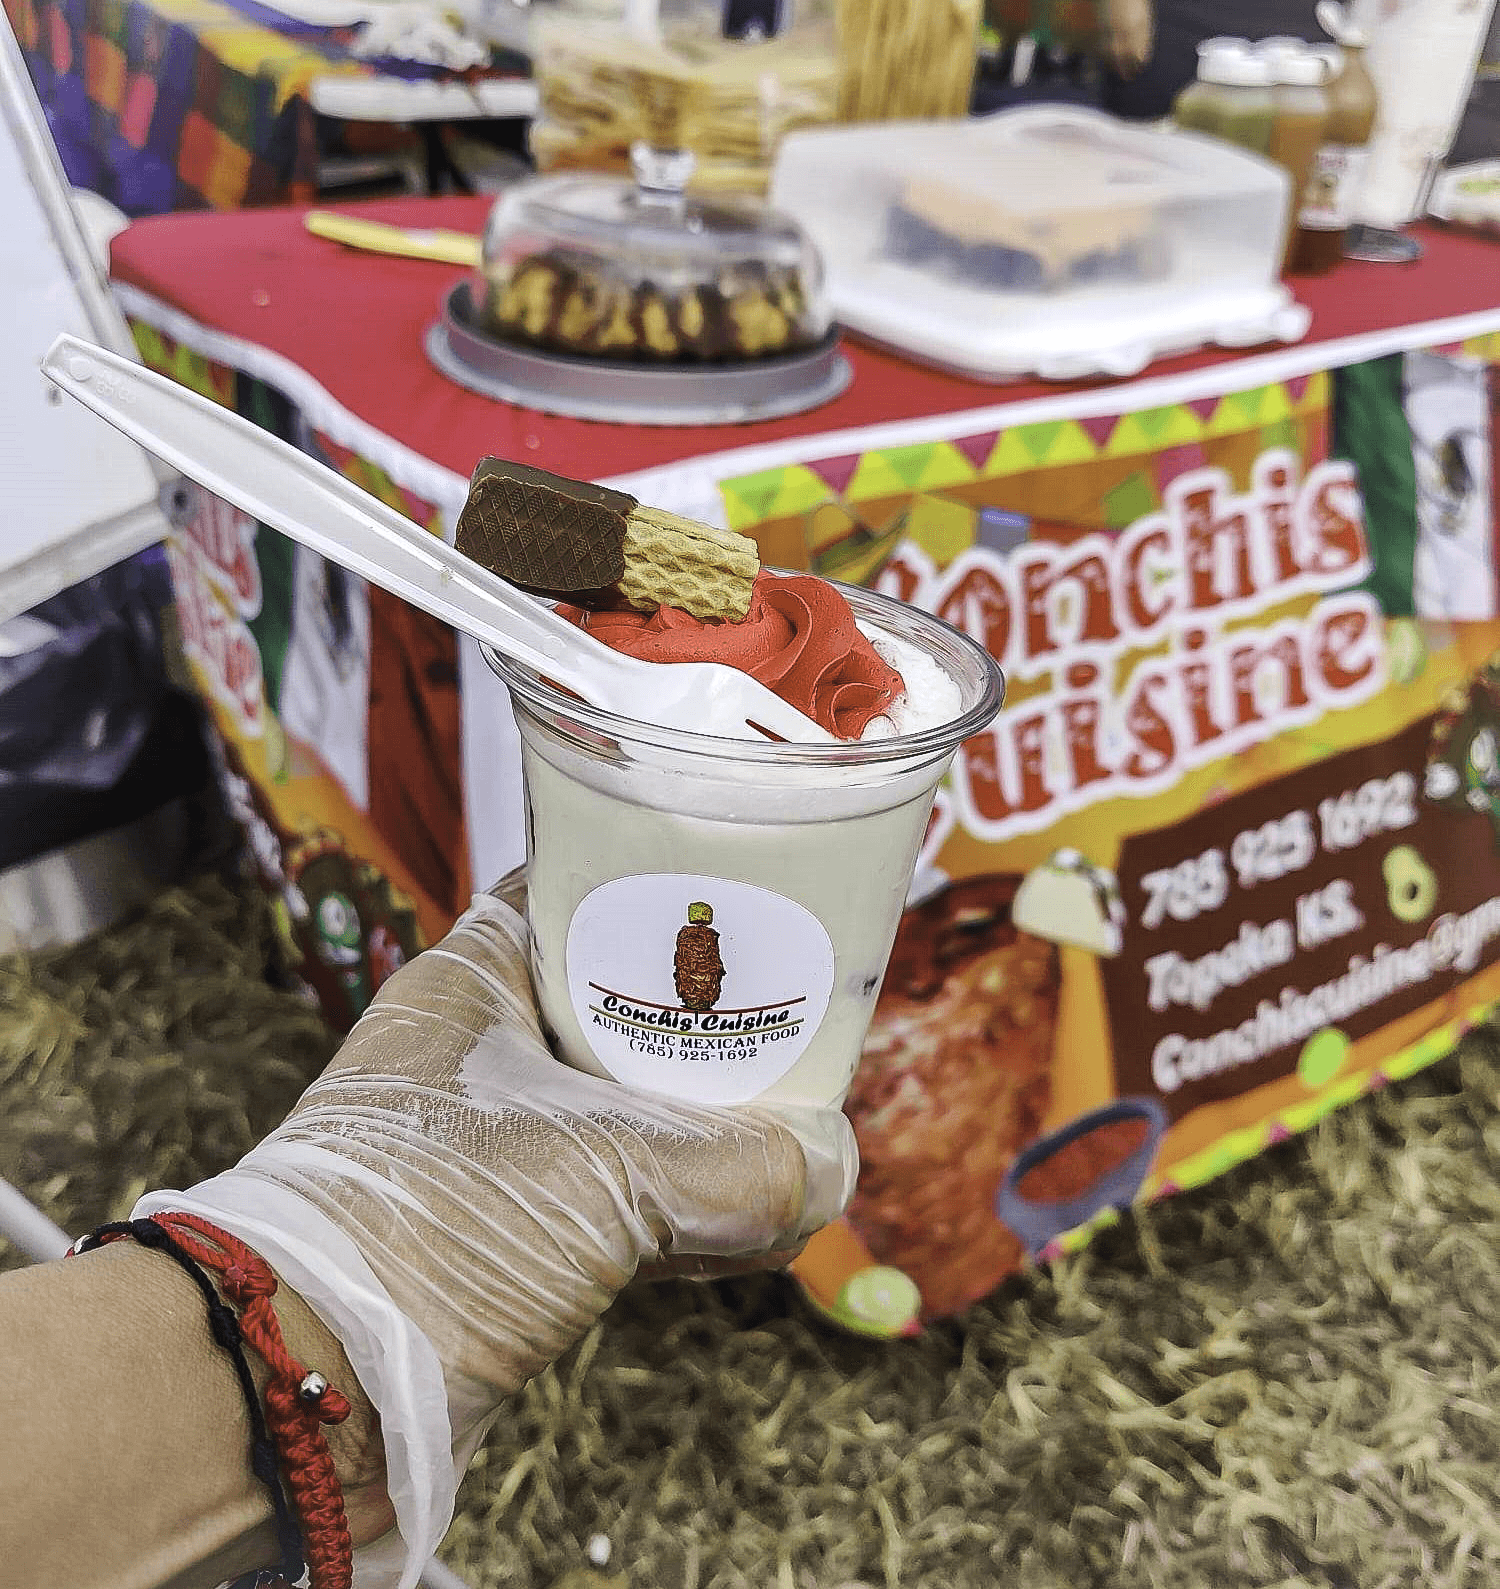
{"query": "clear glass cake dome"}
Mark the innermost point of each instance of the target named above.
(604, 267)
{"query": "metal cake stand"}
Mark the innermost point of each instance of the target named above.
(631, 394)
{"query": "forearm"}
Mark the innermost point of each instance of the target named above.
(125, 1462)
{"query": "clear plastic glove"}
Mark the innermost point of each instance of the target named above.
(1128, 34)
(460, 1207)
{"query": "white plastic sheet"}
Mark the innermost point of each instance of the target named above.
(78, 496)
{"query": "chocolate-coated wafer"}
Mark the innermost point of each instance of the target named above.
(562, 537)
(542, 530)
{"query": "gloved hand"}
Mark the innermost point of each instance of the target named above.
(460, 1207)
(1128, 34)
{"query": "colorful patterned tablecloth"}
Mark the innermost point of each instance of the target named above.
(164, 105)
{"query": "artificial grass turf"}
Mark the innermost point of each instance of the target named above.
(1290, 1377)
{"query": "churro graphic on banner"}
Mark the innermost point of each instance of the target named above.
(1230, 855)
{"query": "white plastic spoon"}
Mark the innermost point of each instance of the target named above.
(284, 488)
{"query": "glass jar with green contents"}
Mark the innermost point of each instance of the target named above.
(1231, 98)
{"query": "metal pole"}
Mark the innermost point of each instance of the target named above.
(27, 1227)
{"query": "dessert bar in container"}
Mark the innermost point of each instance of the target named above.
(1043, 241)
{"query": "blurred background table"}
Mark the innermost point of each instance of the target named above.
(163, 105)
(326, 345)
(343, 332)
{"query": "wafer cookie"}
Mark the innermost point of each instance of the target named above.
(562, 537)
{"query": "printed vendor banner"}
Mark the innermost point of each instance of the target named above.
(336, 708)
(1230, 855)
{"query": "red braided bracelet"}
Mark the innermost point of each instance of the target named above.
(298, 1401)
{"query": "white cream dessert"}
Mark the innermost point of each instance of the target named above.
(711, 917)
(778, 872)
(930, 697)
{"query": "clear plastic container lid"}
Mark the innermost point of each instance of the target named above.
(1045, 239)
(598, 265)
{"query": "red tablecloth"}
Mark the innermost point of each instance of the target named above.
(355, 322)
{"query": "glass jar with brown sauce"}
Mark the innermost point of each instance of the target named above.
(1299, 128)
(1328, 201)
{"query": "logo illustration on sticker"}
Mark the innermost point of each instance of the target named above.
(706, 987)
(697, 967)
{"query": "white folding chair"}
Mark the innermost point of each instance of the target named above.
(79, 496)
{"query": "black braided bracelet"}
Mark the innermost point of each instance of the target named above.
(225, 1328)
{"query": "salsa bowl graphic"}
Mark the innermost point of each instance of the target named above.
(1098, 1161)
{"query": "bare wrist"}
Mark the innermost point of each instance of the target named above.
(355, 1445)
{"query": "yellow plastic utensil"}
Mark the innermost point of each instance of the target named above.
(447, 248)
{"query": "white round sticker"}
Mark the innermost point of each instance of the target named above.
(698, 987)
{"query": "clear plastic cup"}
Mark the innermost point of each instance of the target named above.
(711, 918)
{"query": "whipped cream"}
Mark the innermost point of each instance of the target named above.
(930, 699)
